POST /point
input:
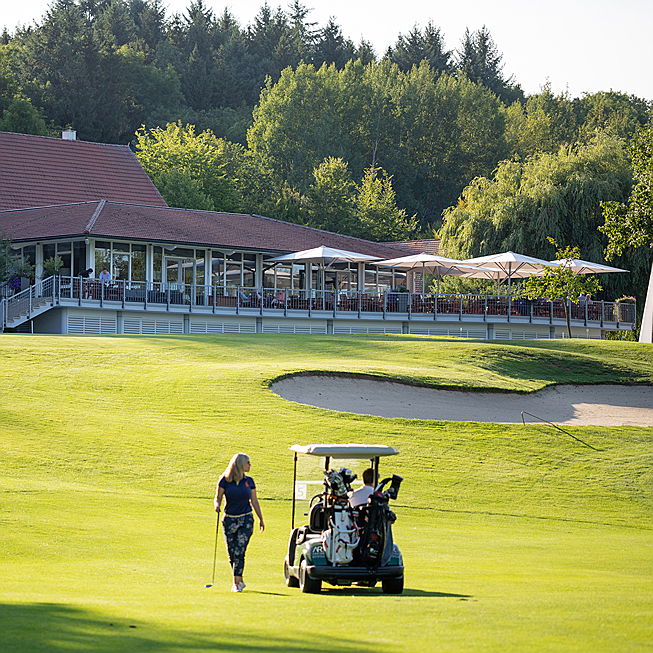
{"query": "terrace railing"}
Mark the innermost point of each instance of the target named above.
(174, 296)
(29, 302)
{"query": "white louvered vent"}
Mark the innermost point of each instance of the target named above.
(283, 327)
(352, 330)
(198, 326)
(133, 326)
(87, 325)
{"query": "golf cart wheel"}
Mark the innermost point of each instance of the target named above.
(307, 584)
(291, 581)
(393, 585)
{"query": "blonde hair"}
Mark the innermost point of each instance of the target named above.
(235, 472)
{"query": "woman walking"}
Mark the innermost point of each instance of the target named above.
(239, 491)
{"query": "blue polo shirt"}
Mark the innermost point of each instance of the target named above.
(237, 495)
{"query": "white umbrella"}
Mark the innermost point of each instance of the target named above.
(507, 265)
(326, 254)
(586, 267)
(438, 265)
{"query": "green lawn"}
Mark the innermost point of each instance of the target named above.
(514, 538)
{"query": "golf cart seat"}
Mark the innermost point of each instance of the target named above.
(316, 520)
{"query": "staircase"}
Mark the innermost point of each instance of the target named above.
(27, 304)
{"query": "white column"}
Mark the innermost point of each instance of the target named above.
(258, 277)
(90, 255)
(38, 261)
(646, 330)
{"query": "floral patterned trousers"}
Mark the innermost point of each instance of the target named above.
(237, 531)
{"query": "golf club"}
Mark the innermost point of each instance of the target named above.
(215, 551)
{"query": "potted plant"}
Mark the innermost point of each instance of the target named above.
(52, 265)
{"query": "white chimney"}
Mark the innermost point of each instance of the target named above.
(69, 135)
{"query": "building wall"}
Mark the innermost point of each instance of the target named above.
(83, 321)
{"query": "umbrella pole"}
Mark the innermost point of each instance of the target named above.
(423, 277)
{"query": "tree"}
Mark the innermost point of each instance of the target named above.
(480, 59)
(556, 194)
(330, 198)
(618, 114)
(21, 116)
(630, 223)
(416, 46)
(331, 47)
(377, 211)
(561, 282)
(180, 188)
(298, 123)
(542, 124)
(201, 157)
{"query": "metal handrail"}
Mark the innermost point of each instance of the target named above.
(22, 303)
(555, 426)
(240, 298)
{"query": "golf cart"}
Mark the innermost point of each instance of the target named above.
(340, 544)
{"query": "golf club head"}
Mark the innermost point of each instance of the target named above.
(209, 585)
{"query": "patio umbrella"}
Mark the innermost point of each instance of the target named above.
(586, 267)
(507, 265)
(325, 254)
(437, 265)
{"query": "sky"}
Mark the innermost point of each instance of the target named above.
(578, 46)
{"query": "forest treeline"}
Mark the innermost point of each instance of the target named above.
(293, 120)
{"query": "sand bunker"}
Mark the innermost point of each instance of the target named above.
(597, 405)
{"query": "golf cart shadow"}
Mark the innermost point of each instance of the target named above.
(407, 593)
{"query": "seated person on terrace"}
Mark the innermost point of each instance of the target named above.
(359, 497)
(242, 296)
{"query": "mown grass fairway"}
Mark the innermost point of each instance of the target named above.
(514, 538)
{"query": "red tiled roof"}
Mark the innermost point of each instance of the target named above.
(41, 171)
(164, 224)
(426, 246)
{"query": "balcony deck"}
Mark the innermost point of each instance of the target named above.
(372, 308)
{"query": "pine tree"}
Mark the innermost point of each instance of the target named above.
(480, 59)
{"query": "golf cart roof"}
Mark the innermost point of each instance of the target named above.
(345, 450)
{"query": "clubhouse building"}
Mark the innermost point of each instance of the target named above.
(174, 271)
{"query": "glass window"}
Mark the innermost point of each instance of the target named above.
(298, 273)
(157, 253)
(64, 247)
(138, 263)
(102, 257)
(183, 252)
(217, 268)
(49, 251)
(120, 261)
(199, 271)
(66, 268)
(370, 280)
(234, 270)
(249, 270)
(400, 280)
(330, 280)
(268, 275)
(283, 276)
(79, 257)
(29, 254)
(385, 281)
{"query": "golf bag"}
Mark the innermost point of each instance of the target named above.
(375, 547)
(341, 536)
